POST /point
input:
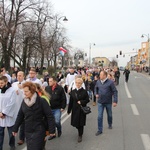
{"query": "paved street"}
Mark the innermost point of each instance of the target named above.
(131, 122)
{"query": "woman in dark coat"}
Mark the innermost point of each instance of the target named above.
(33, 110)
(78, 97)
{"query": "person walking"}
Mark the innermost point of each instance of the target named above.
(57, 102)
(35, 112)
(33, 76)
(42, 93)
(117, 76)
(78, 96)
(70, 77)
(73, 85)
(19, 91)
(93, 88)
(3, 72)
(7, 111)
(106, 90)
(126, 73)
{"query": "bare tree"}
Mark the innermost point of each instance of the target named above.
(12, 14)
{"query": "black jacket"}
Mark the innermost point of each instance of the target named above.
(93, 85)
(78, 118)
(58, 97)
(117, 74)
(34, 116)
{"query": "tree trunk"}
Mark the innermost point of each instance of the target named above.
(25, 54)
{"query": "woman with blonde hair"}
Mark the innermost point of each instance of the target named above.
(42, 93)
(78, 96)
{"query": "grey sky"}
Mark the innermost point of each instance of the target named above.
(113, 25)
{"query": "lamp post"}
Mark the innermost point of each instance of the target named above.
(56, 39)
(148, 40)
(77, 57)
(90, 45)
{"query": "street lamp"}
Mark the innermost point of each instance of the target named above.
(147, 35)
(65, 19)
(77, 57)
(56, 39)
(90, 45)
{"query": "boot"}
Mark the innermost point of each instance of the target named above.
(79, 139)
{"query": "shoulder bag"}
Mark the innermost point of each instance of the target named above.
(86, 109)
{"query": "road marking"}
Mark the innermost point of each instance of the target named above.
(64, 114)
(134, 109)
(146, 141)
(62, 121)
(127, 90)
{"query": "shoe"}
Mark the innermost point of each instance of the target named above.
(20, 142)
(12, 148)
(110, 127)
(98, 133)
(94, 103)
(59, 134)
(79, 139)
(51, 137)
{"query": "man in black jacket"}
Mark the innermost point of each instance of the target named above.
(57, 102)
(126, 73)
(117, 76)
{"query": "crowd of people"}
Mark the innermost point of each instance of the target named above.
(33, 106)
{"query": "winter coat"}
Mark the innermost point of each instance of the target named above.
(78, 118)
(106, 92)
(58, 97)
(35, 124)
(126, 72)
(117, 74)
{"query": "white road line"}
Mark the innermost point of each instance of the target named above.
(63, 120)
(127, 90)
(134, 109)
(64, 114)
(146, 141)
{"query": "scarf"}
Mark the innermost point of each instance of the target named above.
(31, 101)
(53, 87)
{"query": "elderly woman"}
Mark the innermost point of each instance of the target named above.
(34, 111)
(78, 96)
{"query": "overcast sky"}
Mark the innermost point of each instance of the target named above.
(113, 25)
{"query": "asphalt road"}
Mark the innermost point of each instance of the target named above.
(131, 122)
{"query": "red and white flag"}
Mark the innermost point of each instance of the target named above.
(62, 49)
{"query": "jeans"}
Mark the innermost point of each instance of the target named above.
(11, 137)
(57, 116)
(90, 94)
(100, 115)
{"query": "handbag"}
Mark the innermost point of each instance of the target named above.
(86, 109)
